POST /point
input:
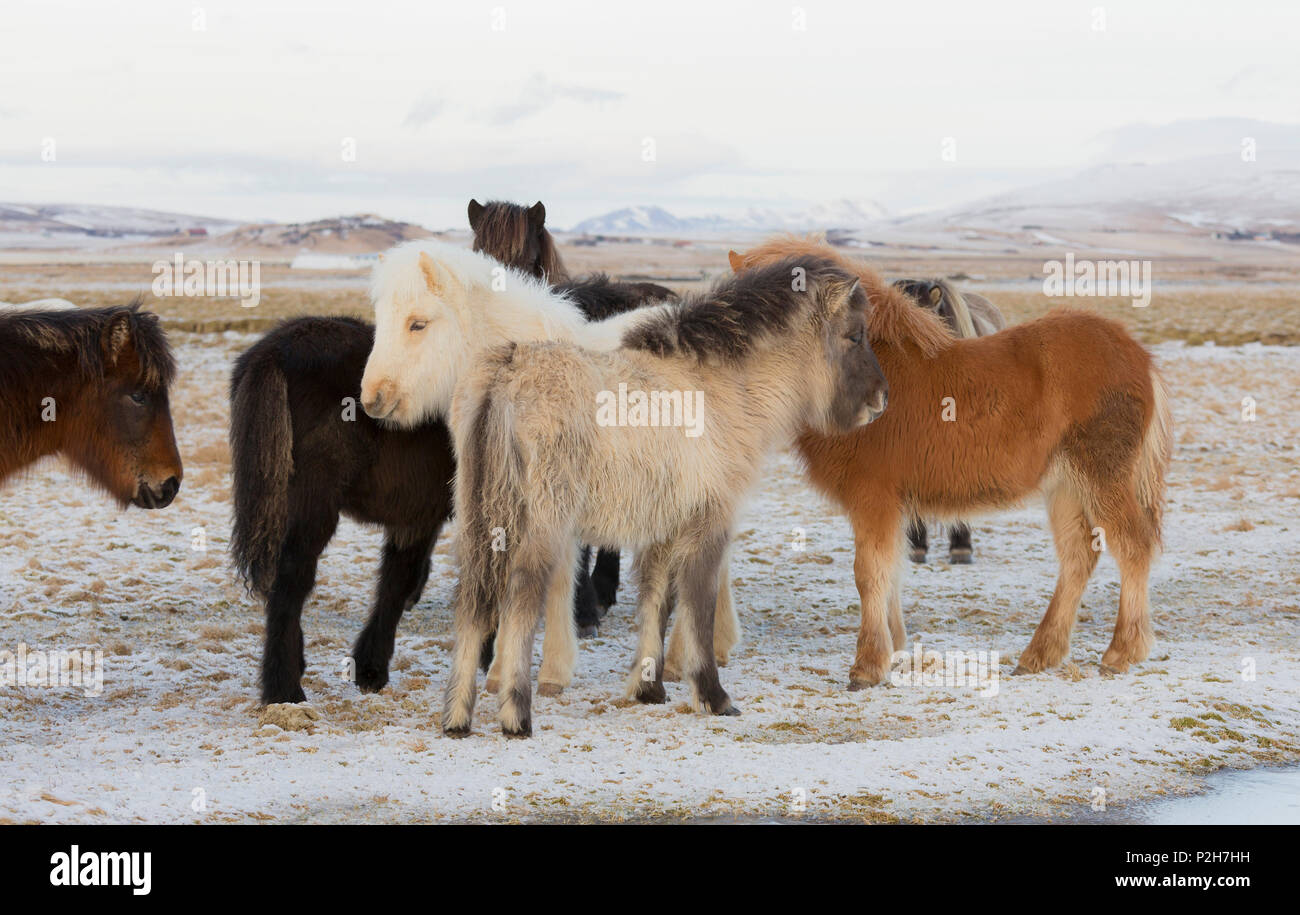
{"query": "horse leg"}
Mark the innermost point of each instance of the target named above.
(874, 570)
(1071, 533)
(917, 540)
(283, 658)
(726, 629)
(560, 641)
(959, 547)
(533, 579)
(897, 631)
(726, 624)
(698, 590)
(605, 579)
(1133, 545)
(474, 625)
(586, 606)
(645, 681)
(403, 572)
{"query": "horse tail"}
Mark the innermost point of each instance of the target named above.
(489, 497)
(261, 462)
(960, 309)
(1153, 459)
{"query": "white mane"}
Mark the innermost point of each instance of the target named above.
(508, 299)
(478, 303)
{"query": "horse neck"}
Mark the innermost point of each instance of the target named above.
(775, 398)
(23, 395)
(523, 315)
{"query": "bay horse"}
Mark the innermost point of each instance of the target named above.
(92, 385)
(517, 236)
(302, 454)
(541, 469)
(968, 315)
(1069, 405)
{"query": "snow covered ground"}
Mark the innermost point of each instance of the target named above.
(176, 734)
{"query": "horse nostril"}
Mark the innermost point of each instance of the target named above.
(170, 487)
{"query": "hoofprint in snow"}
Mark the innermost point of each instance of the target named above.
(176, 735)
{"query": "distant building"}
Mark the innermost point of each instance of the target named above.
(197, 232)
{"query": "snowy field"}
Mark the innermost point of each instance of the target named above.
(176, 735)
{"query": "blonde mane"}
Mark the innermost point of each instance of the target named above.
(960, 309)
(894, 318)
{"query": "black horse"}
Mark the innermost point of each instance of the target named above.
(303, 452)
(517, 236)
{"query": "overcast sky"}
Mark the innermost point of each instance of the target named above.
(244, 109)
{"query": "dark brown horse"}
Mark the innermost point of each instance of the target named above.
(303, 452)
(92, 385)
(517, 236)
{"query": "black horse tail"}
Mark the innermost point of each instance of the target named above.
(261, 460)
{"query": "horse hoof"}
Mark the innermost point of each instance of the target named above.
(961, 557)
(1109, 671)
(651, 694)
(456, 733)
(549, 689)
(289, 696)
(730, 711)
(371, 681)
(916, 554)
(1021, 671)
(855, 685)
(520, 733)
(588, 632)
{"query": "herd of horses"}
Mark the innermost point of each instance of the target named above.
(478, 384)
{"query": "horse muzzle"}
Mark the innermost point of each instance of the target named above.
(871, 411)
(147, 496)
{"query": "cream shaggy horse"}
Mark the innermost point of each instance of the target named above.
(544, 463)
(439, 306)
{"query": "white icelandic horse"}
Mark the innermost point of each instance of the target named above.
(438, 307)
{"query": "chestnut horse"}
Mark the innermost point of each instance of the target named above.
(969, 315)
(1069, 405)
(92, 386)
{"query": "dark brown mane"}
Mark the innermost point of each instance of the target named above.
(505, 231)
(894, 320)
(80, 333)
(738, 313)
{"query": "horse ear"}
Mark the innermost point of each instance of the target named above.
(475, 211)
(537, 214)
(936, 295)
(846, 292)
(117, 333)
(737, 262)
(434, 277)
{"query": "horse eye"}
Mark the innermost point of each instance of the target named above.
(856, 338)
(417, 324)
(138, 398)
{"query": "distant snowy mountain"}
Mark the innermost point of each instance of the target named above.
(1203, 193)
(653, 220)
(67, 221)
